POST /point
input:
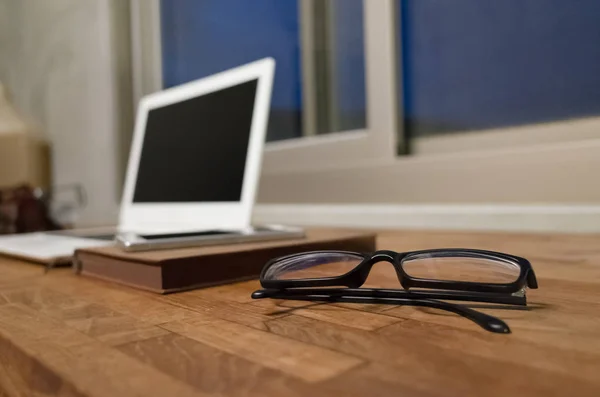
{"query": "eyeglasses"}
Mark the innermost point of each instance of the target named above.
(425, 276)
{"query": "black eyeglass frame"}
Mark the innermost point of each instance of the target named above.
(428, 294)
(356, 277)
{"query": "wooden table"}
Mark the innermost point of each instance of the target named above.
(62, 334)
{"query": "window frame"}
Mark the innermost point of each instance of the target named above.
(378, 141)
(552, 154)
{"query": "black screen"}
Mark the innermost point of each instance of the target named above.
(195, 150)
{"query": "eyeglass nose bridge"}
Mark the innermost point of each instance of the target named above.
(391, 257)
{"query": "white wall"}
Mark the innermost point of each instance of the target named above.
(57, 58)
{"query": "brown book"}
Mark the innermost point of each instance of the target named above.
(187, 268)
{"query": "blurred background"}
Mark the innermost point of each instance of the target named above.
(461, 114)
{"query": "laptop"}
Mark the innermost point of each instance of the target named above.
(192, 174)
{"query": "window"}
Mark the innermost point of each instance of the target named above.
(402, 101)
(318, 46)
(471, 65)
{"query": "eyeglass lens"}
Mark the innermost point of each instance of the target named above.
(313, 265)
(461, 267)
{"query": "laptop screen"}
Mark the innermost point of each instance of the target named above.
(195, 150)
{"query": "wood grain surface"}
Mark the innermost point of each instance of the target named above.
(65, 335)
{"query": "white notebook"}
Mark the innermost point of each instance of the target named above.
(45, 247)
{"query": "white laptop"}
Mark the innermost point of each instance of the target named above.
(193, 170)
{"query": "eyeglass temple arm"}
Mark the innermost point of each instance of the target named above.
(485, 321)
(386, 293)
